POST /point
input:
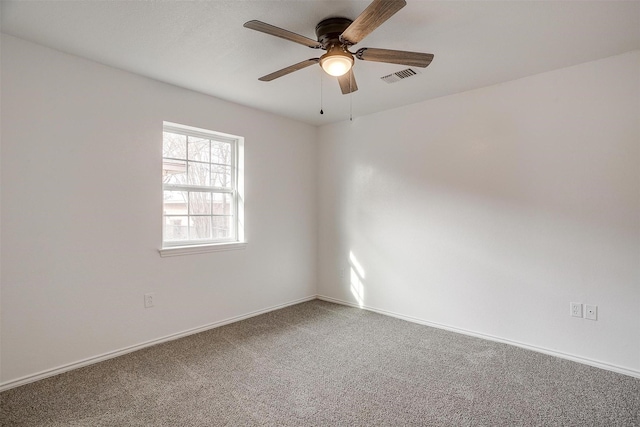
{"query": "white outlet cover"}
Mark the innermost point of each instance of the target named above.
(576, 309)
(591, 312)
(149, 300)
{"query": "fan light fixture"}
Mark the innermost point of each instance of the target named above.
(337, 61)
(336, 35)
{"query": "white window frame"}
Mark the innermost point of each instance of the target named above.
(237, 241)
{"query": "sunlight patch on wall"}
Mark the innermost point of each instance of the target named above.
(356, 279)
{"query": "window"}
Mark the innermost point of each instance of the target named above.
(202, 187)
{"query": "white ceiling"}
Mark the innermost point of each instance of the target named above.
(203, 46)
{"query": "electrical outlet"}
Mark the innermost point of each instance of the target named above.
(591, 312)
(149, 300)
(342, 273)
(576, 309)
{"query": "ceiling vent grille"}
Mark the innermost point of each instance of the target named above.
(400, 75)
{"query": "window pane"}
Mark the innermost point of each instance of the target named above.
(174, 171)
(222, 227)
(199, 174)
(222, 204)
(176, 228)
(200, 227)
(199, 203)
(221, 176)
(174, 145)
(175, 203)
(220, 152)
(198, 149)
(199, 170)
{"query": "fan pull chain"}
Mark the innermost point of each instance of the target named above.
(350, 97)
(321, 102)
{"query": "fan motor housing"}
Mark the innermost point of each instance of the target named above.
(330, 29)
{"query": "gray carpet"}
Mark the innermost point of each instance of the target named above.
(319, 363)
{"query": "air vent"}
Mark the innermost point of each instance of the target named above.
(400, 75)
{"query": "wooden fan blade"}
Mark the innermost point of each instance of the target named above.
(348, 82)
(289, 69)
(282, 33)
(413, 59)
(372, 17)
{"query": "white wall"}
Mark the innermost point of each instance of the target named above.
(82, 203)
(0, 206)
(490, 210)
(487, 211)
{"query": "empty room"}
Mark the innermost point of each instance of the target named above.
(319, 213)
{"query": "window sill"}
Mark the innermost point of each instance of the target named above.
(200, 249)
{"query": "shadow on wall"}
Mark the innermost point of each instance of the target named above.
(356, 279)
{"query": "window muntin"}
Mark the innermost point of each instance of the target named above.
(200, 186)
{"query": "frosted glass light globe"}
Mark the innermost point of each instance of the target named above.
(337, 61)
(337, 65)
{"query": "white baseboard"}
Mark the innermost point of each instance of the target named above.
(579, 359)
(110, 355)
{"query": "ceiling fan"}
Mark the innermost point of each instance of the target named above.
(337, 35)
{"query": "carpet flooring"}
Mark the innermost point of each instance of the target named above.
(322, 364)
